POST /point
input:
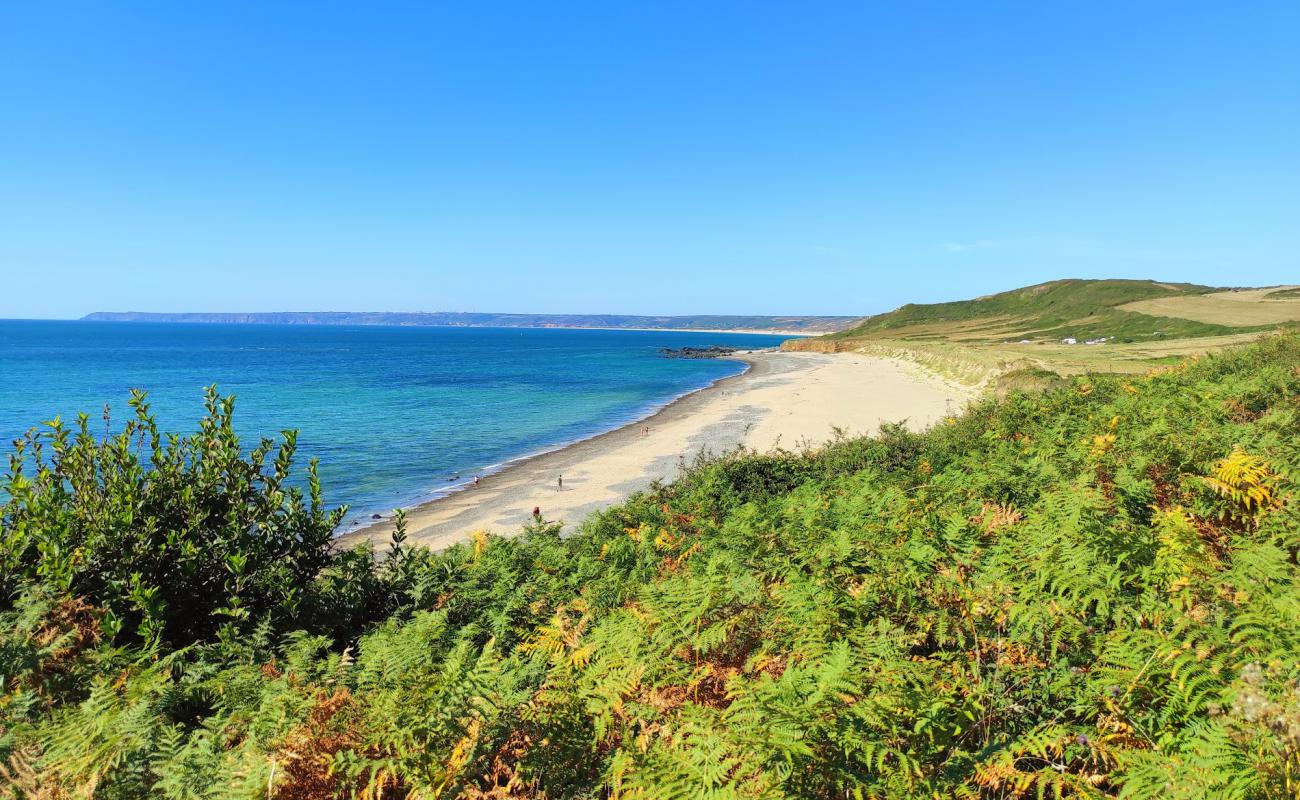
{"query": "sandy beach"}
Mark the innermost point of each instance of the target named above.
(783, 400)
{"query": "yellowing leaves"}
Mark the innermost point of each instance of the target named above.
(1102, 444)
(480, 543)
(667, 540)
(461, 752)
(561, 638)
(1245, 480)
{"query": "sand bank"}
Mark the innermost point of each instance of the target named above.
(783, 400)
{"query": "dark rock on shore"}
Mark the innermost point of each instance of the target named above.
(712, 351)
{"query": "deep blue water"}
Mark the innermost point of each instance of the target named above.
(391, 412)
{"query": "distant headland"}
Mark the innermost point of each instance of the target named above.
(698, 322)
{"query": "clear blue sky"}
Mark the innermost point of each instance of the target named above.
(749, 157)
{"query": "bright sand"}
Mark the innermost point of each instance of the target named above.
(784, 399)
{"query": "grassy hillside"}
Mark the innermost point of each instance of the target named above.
(1236, 308)
(1143, 324)
(1090, 592)
(1075, 308)
(1288, 294)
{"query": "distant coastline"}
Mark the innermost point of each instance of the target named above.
(700, 323)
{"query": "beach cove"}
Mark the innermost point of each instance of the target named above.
(783, 400)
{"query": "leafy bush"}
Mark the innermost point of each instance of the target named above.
(1085, 592)
(171, 537)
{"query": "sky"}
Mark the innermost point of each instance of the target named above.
(657, 158)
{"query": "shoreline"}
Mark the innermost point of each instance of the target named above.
(652, 411)
(782, 399)
(677, 405)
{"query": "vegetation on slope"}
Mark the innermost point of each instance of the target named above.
(1087, 592)
(1067, 327)
(1241, 308)
(1081, 309)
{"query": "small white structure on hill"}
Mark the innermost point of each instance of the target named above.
(1069, 340)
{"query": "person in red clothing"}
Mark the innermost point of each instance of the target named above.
(537, 513)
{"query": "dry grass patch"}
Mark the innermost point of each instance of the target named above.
(1241, 308)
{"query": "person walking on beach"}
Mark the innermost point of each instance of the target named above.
(475, 481)
(559, 484)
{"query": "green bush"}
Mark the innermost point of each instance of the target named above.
(171, 537)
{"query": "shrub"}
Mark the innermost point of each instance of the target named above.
(172, 537)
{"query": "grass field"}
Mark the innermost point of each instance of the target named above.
(1238, 308)
(975, 364)
(1056, 310)
(1020, 337)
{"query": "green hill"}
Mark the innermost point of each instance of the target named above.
(1089, 592)
(1030, 336)
(1080, 309)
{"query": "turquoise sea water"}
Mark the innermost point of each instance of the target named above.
(393, 413)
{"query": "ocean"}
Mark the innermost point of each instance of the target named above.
(393, 413)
